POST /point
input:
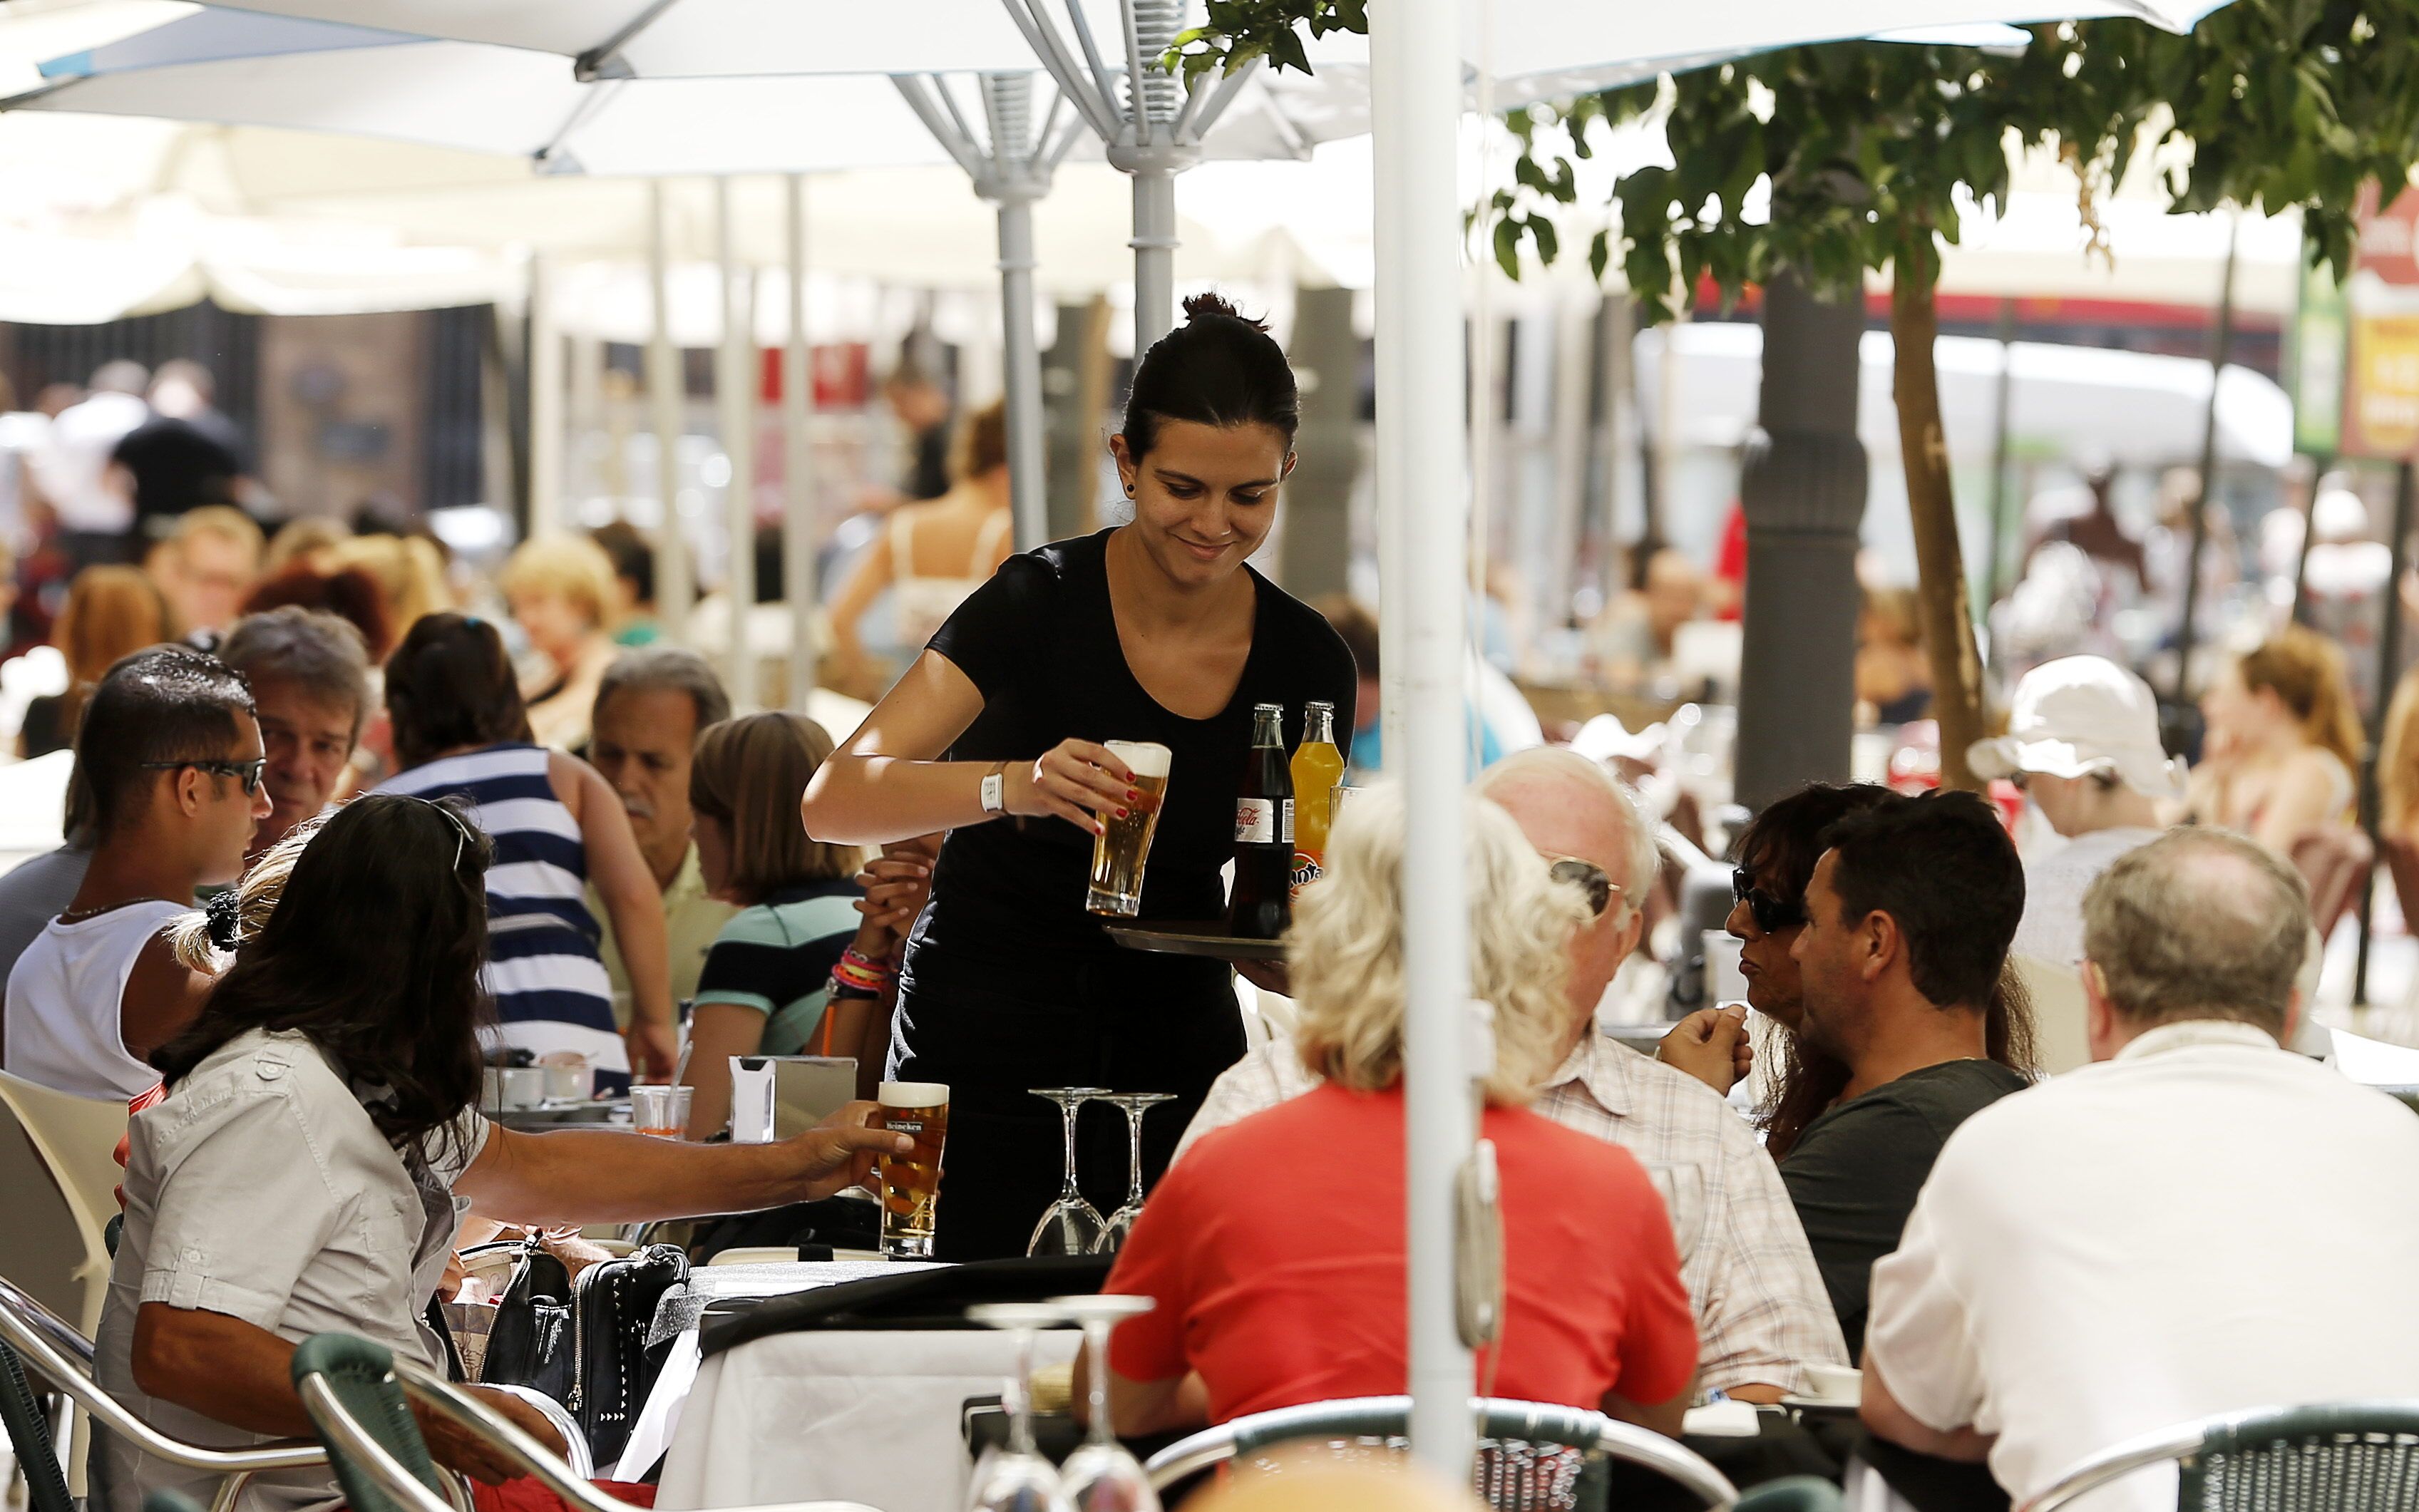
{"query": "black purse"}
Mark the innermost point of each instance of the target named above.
(584, 1342)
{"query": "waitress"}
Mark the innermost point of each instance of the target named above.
(1155, 630)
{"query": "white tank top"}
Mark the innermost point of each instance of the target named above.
(922, 603)
(63, 1000)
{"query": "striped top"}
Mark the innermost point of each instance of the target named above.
(778, 957)
(543, 968)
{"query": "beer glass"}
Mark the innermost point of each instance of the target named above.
(1124, 844)
(911, 1183)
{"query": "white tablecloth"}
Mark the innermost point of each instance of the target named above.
(820, 1415)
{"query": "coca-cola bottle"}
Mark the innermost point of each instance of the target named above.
(1261, 904)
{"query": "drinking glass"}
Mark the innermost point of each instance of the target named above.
(1103, 1475)
(1122, 1222)
(1070, 1225)
(661, 1110)
(1016, 1478)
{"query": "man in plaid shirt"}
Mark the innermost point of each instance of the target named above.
(1762, 1311)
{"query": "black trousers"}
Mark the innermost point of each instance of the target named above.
(1138, 1023)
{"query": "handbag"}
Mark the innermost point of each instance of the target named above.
(584, 1342)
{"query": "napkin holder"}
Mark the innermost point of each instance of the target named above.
(776, 1097)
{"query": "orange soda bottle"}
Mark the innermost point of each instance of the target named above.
(1318, 767)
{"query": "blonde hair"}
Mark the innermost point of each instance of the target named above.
(571, 565)
(2397, 760)
(1345, 949)
(410, 572)
(255, 898)
(2305, 672)
(224, 521)
(305, 538)
(750, 774)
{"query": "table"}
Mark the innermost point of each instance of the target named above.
(822, 1414)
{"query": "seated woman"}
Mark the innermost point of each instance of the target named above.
(1275, 1245)
(461, 731)
(2283, 742)
(767, 978)
(319, 1143)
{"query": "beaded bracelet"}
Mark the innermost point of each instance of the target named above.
(855, 969)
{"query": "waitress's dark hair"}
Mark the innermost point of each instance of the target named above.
(450, 685)
(373, 952)
(1780, 849)
(1216, 369)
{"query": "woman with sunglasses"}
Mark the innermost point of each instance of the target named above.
(1776, 860)
(461, 731)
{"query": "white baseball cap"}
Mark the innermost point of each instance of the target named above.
(2081, 715)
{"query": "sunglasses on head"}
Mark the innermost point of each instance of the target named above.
(1588, 878)
(248, 773)
(1772, 915)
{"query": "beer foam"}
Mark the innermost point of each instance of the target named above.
(914, 1094)
(1141, 757)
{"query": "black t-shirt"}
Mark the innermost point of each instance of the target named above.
(181, 465)
(1854, 1172)
(1041, 642)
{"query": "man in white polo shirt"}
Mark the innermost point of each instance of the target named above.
(2151, 1239)
(2083, 742)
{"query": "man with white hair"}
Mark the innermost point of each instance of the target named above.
(1762, 1311)
(2143, 1241)
(2083, 744)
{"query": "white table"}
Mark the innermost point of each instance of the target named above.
(822, 1414)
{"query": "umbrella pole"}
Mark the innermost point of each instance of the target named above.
(674, 589)
(1022, 354)
(546, 502)
(1415, 96)
(2220, 339)
(800, 518)
(1154, 244)
(736, 395)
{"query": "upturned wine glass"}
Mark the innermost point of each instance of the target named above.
(1070, 1225)
(1121, 1223)
(1015, 1477)
(1103, 1476)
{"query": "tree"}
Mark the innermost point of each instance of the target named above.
(1825, 162)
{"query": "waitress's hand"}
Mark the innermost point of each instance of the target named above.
(1076, 781)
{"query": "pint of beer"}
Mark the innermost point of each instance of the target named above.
(1119, 851)
(911, 1183)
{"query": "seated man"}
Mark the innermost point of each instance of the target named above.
(1275, 1246)
(170, 757)
(1907, 922)
(1760, 1304)
(2146, 1240)
(2083, 742)
(310, 678)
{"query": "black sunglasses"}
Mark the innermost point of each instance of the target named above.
(246, 772)
(1588, 878)
(1772, 915)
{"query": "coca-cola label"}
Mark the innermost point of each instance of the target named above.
(1263, 821)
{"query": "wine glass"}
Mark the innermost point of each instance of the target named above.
(1070, 1225)
(1103, 1475)
(1015, 1477)
(1121, 1223)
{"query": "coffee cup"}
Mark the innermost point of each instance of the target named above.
(1834, 1383)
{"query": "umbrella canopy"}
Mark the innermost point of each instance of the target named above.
(240, 68)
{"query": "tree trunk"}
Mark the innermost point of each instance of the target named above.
(1923, 448)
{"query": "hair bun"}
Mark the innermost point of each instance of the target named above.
(1210, 303)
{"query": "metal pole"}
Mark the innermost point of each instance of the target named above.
(1154, 244)
(675, 591)
(2389, 664)
(2219, 340)
(546, 502)
(1021, 355)
(800, 532)
(2309, 531)
(1994, 579)
(735, 400)
(1415, 94)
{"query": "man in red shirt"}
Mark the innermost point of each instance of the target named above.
(1275, 1247)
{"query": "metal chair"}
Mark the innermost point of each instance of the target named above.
(30, 1439)
(1531, 1455)
(2332, 1456)
(62, 1358)
(428, 1388)
(1790, 1493)
(348, 1388)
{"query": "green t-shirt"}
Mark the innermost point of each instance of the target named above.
(776, 958)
